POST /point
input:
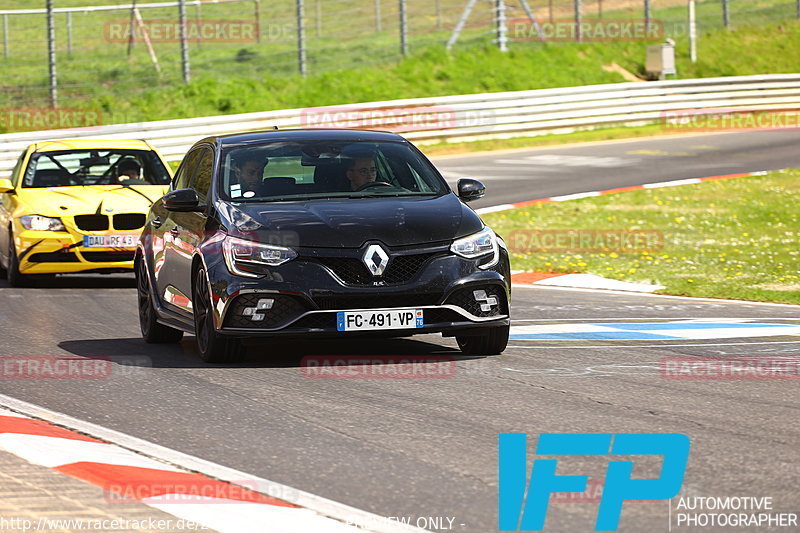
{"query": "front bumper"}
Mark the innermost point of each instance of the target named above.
(62, 252)
(307, 295)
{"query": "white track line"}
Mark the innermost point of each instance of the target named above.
(649, 295)
(618, 346)
(323, 506)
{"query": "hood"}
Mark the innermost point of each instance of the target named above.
(349, 223)
(75, 200)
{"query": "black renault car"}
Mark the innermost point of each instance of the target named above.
(318, 233)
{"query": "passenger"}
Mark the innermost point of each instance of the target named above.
(249, 173)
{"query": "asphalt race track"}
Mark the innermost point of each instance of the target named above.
(578, 361)
(427, 447)
(527, 174)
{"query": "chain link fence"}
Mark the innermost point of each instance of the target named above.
(124, 48)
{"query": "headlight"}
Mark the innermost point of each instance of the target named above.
(40, 223)
(478, 244)
(248, 258)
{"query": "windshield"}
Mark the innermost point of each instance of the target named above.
(313, 169)
(64, 168)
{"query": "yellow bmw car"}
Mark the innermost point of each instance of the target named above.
(77, 206)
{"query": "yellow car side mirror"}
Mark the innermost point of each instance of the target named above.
(6, 185)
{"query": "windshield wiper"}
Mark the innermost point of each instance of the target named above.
(409, 193)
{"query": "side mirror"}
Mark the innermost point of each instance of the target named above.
(469, 189)
(182, 201)
(6, 185)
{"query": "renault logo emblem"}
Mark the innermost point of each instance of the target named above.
(376, 259)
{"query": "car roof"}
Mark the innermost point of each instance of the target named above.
(91, 144)
(304, 135)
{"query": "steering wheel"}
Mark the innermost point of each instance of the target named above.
(107, 180)
(371, 184)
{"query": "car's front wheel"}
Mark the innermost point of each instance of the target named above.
(213, 347)
(152, 331)
(486, 341)
(15, 278)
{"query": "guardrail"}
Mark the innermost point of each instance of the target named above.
(465, 117)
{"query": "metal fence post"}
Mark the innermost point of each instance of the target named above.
(578, 20)
(460, 24)
(51, 53)
(692, 32)
(5, 34)
(198, 18)
(403, 29)
(502, 30)
(184, 47)
(439, 14)
(798, 9)
(726, 13)
(69, 33)
(301, 39)
(377, 16)
(257, 16)
(647, 14)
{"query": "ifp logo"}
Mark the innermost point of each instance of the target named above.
(525, 510)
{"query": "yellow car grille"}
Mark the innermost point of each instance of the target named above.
(121, 221)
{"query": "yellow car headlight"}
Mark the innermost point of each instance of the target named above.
(41, 223)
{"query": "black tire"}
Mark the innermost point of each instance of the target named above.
(213, 347)
(488, 341)
(152, 331)
(3, 271)
(15, 278)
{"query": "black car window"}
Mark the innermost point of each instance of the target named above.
(305, 170)
(186, 170)
(205, 171)
(64, 168)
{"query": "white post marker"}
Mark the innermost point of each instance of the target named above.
(692, 32)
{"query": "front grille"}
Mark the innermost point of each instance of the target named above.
(401, 268)
(284, 309)
(129, 221)
(108, 257)
(465, 299)
(376, 301)
(53, 257)
(91, 222)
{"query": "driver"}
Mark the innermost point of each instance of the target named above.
(128, 169)
(361, 171)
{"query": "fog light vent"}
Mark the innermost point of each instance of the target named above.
(486, 302)
(263, 304)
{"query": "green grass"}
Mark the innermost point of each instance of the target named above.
(737, 238)
(344, 69)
